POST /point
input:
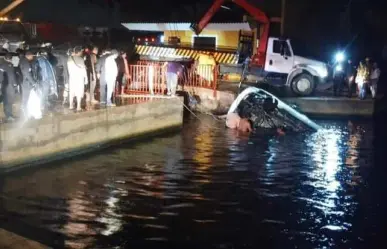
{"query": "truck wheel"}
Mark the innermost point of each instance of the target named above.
(303, 84)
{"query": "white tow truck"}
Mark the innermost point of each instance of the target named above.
(284, 67)
(275, 62)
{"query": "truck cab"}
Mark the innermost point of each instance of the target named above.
(283, 67)
(13, 35)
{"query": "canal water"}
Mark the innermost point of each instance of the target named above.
(207, 187)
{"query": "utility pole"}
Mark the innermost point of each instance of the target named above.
(283, 6)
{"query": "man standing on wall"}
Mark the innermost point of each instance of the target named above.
(91, 61)
(77, 79)
(8, 83)
(173, 70)
(29, 73)
(107, 73)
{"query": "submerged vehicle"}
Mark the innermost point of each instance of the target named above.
(264, 110)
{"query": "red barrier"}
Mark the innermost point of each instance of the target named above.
(146, 79)
(159, 63)
(145, 76)
(204, 76)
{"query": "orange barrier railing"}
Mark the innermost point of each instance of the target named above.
(145, 79)
(143, 62)
(150, 78)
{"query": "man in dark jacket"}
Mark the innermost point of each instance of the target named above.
(91, 59)
(121, 71)
(350, 72)
(29, 77)
(8, 83)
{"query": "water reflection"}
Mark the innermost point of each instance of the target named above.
(203, 146)
(206, 186)
(80, 213)
(326, 159)
(110, 216)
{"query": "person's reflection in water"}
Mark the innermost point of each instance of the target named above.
(80, 235)
(352, 159)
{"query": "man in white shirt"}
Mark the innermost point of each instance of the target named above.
(374, 78)
(107, 73)
(77, 77)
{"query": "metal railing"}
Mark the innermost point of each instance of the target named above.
(146, 79)
(150, 78)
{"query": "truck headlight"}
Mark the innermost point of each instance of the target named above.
(339, 68)
(322, 71)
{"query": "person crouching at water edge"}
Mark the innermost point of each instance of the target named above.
(234, 121)
(77, 78)
(173, 69)
(107, 73)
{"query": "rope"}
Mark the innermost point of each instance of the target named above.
(196, 116)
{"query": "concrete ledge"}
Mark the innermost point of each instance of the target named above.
(10, 240)
(333, 106)
(62, 136)
(207, 101)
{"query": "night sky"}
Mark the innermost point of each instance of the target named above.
(321, 23)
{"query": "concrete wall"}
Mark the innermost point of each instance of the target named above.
(329, 106)
(223, 38)
(207, 102)
(75, 133)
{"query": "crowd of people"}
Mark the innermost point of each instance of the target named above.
(359, 80)
(56, 76)
(68, 77)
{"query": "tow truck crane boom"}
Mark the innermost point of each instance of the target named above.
(10, 7)
(256, 13)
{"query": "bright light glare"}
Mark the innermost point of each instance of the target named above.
(34, 109)
(340, 57)
(339, 68)
(162, 39)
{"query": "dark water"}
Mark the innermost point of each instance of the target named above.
(206, 187)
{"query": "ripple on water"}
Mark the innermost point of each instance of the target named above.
(206, 186)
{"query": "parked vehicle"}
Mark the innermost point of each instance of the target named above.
(275, 62)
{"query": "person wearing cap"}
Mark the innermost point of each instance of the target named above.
(29, 81)
(8, 82)
(107, 71)
(77, 78)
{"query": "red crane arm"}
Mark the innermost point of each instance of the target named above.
(256, 13)
(198, 27)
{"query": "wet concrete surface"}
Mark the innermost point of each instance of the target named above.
(59, 109)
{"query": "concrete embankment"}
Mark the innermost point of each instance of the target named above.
(219, 103)
(206, 100)
(60, 136)
(333, 106)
